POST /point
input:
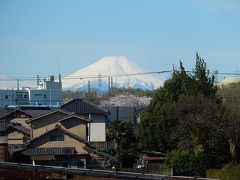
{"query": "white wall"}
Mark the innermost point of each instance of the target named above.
(98, 128)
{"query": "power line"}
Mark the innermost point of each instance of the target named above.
(86, 77)
(31, 78)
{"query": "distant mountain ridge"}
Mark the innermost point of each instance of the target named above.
(115, 70)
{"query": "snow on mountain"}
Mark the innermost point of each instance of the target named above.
(119, 68)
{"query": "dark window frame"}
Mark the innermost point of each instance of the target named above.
(57, 138)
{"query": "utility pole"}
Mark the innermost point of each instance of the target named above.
(109, 84)
(89, 88)
(111, 79)
(17, 84)
(99, 83)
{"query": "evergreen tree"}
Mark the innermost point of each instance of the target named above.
(159, 120)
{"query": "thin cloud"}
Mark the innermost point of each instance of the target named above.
(8, 83)
(225, 6)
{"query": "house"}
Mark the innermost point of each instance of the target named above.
(3, 141)
(153, 162)
(98, 116)
(71, 122)
(57, 147)
(19, 130)
(57, 138)
(61, 138)
(18, 135)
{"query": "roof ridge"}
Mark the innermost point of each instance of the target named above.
(51, 112)
(94, 105)
(74, 115)
(11, 111)
(85, 104)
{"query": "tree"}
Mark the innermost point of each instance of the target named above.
(158, 121)
(205, 82)
(90, 96)
(187, 115)
(231, 97)
(185, 163)
(232, 129)
(200, 124)
(199, 119)
(121, 131)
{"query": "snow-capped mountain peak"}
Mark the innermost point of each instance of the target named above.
(119, 69)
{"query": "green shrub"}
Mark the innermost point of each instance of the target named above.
(186, 163)
(230, 173)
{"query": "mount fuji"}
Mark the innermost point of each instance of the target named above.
(115, 71)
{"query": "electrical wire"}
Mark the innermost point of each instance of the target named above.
(106, 75)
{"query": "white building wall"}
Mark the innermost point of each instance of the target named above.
(98, 128)
(51, 94)
(37, 97)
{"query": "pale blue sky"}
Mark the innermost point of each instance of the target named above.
(36, 35)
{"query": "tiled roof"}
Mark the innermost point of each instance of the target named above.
(30, 112)
(10, 126)
(35, 107)
(153, 158)
(49, 151)
(36, 112)
(82, 107)
(19, 127)
(51, 112)
(4, 111)
(14, 112)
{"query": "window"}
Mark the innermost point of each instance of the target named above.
(25, 96)
(37, 95)
(76, 164)
(57, 138)
(19, 95)
(6, 96)
(45, 96)
(73, 164)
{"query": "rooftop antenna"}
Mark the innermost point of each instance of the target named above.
(59, 74)
(89, 86)
(17, 84)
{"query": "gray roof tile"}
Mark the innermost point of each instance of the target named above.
(49, 151)
(82, 107)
